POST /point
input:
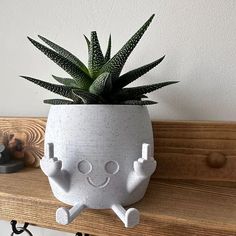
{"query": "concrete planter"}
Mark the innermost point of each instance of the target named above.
(98, 156)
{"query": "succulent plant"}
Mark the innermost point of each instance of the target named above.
(100, 82)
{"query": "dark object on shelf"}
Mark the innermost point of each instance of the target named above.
(7, 164)
(4, 156)
(81, 234)
(19, 230)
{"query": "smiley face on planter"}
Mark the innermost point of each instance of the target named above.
(86, 168)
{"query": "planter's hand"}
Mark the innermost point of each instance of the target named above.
(50, 165)
(146, 165)
(143, 169)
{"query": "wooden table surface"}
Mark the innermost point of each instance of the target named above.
(170, 207)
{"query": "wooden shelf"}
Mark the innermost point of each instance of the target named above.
(170, 207)
(187, 194)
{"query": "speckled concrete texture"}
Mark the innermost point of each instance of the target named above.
(98, 156)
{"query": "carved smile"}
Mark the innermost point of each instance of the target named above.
(102, 185)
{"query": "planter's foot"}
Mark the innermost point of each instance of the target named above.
(130, 217)
(64, 216)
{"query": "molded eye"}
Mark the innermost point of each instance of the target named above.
(85, 167)
(112, 167)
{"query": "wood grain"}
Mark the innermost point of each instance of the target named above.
(170, 208)
(181, 147)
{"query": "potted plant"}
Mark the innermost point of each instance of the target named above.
(99, 140)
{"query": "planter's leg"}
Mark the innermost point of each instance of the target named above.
(130, 217)
(64, 216)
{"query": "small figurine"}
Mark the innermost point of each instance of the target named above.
(101, 185)
(7, 164)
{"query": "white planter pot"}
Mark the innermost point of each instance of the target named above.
(98, 156)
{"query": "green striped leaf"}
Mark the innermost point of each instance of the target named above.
(131, 97)
(132, 75)
(83, 80)
(116, 63)
(140, 90)
(66, 81)
(55, 88)
(137, 102)
(87, 41)
(57, 101)
(102, 84)
(96, 59)
(85, 97)
(63, 52)
(108, 52)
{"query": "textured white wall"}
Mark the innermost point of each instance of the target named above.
(198, 37)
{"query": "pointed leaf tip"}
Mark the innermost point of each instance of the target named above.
(30, 39)
(66, 64)
(65, 53)
(59, 89)
(132, 75)
(140, 90)
(96, 58)
(108, 52)
(87, 40)
(116, 63)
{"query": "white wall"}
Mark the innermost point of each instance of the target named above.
(198, 37)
